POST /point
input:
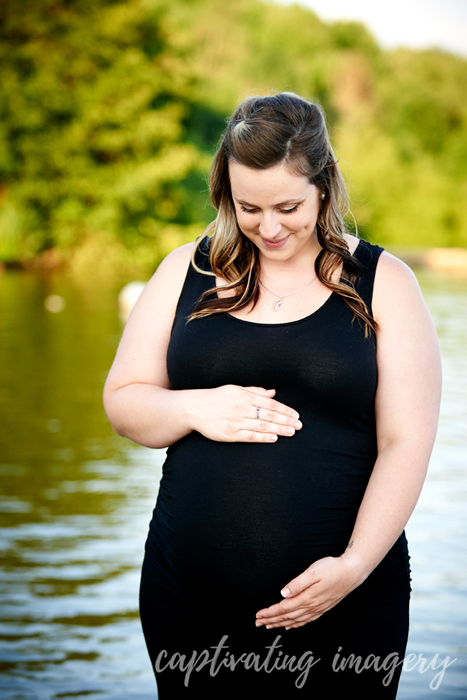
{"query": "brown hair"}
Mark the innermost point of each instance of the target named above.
(263, 132)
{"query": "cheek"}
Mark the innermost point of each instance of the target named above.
(308, 220)
(299, 223)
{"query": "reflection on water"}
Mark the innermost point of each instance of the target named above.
(76, 500)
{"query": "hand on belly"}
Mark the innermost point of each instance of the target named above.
(318, 589)
(233, 413)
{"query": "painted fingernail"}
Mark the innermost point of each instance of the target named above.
(258, 623)
(285, 592)
(269, 627)
(295, 415)
(273, 438)
(298, 425)
(290, 431)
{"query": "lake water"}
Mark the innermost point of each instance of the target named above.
(76, 500)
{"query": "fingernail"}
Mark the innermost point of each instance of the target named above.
(273, 438)
(258, 623)
(269, 627)
(290, 431)
(295, 415)
(285, 592)
(298, 425)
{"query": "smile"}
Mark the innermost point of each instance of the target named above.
(276, 244)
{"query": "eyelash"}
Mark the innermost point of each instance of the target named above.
(283, 211)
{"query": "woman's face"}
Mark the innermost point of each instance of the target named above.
(276, 209)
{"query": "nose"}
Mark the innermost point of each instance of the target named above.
(269, 226)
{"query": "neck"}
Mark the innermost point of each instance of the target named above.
(291, 273)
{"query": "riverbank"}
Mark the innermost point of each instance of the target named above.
(444, 259)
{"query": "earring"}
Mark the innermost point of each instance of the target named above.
(323, 195)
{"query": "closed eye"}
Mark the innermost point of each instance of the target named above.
(290, 211)
(283, 211)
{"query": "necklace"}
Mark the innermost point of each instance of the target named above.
(277, 305)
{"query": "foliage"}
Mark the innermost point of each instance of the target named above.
(93, 139)
(111, 109)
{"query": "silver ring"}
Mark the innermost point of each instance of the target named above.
(257, 410)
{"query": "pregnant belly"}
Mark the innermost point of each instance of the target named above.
(244, 519)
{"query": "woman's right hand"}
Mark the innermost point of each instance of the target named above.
(228, 414)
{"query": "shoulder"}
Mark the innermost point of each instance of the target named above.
(163, 289)
(396, 292)
(172, 271)
(393, 274)
(177, 262)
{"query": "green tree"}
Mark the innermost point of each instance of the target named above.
(93, 106)
(111, 109)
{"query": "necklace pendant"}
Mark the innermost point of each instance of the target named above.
(277, 306)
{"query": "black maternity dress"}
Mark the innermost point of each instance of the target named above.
(234, 522)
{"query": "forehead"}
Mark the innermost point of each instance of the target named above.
(268, 183)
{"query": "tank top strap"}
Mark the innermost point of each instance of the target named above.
(202, 255)
(195, 282)
(368, 256)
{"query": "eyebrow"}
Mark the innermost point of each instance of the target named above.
(298, 200)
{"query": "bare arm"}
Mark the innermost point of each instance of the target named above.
(138, 399)
(407, 408)
(137, 396)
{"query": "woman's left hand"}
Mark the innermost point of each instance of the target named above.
(318, 589)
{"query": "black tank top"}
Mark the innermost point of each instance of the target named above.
(243, 518)
(321, 365)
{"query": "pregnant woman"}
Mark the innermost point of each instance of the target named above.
(293, 372)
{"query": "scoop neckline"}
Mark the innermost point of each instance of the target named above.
(298, 320)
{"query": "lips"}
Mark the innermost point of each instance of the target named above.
(275, 244)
